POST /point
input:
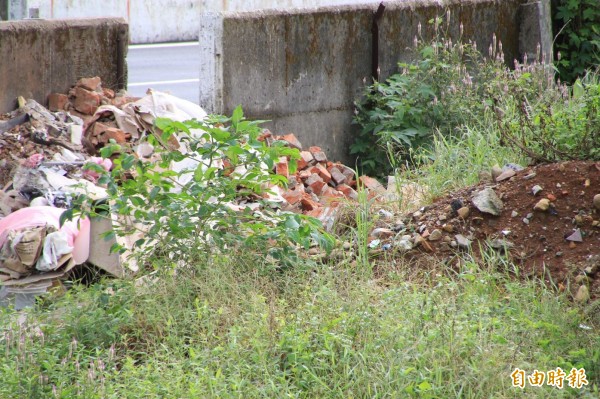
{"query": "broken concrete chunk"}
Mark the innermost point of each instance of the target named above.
(576, 236)
(435, 235)
(462, 241)
(487, 201)
(536, 189)
(463, 212)
(596, 201)
(507, 174)
(496, 171)
(381, 232)
(501, 244)
(583, 294)
(542, 205)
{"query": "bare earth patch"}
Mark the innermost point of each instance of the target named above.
(560, 244)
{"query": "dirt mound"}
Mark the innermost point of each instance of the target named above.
(546, 222)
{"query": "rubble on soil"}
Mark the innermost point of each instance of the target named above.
(545, 218)
(42, 152)
(555, 238)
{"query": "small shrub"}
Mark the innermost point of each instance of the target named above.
(577, 26)
(185, 201)
(446, 87)
(452, 88)
(548, 121)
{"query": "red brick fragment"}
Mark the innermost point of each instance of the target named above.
(313, 178)
(320, 157)
(282, 167)
(318, 154)
(308, 204)
(371, 184)
(304, 174)
(115, 134)
(346, 171)
(315, 213)
(294, 196)
(91, 84)
(306, 159)
(348, 191)
(331, 196)
(324, 173)
(315, 183)
(265, 135)
(57, 102)
(337, 176)
(85, 101)
(108, 93)
(292, 141)
(300, 164)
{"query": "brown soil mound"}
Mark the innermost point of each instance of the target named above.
(541, 242)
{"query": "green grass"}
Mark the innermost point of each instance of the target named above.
(220, 330)
(234, 326)
(456, 162)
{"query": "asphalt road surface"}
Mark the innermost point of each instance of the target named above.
(169, 67)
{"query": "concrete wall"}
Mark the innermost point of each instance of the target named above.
(157, 20)
(304, 69)
(40, 57)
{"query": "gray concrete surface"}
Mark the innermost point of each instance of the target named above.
(157, 20)
(536, 27)
(40, 57)
(304, 68)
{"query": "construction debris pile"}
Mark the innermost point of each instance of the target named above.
(42, 153)
(318, 186)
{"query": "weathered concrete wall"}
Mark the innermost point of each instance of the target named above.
(303, 69)
(40, 57)
(159, 20)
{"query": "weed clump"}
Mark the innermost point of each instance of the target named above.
(452, 88)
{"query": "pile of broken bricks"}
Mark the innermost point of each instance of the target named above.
(83, 101)
(42, 151)
(318, 186)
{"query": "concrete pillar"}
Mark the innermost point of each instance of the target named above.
(17, 9)
(211, 62)
(536, 30)
(3, 10)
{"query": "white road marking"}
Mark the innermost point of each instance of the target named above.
(162, 45)
(163, 82)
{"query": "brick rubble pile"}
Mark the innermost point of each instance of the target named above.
(318, 186)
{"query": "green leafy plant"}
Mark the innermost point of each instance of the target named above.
(577, 23)
(450, 89)
(443, 89)
(209, 189)
(546, 120)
